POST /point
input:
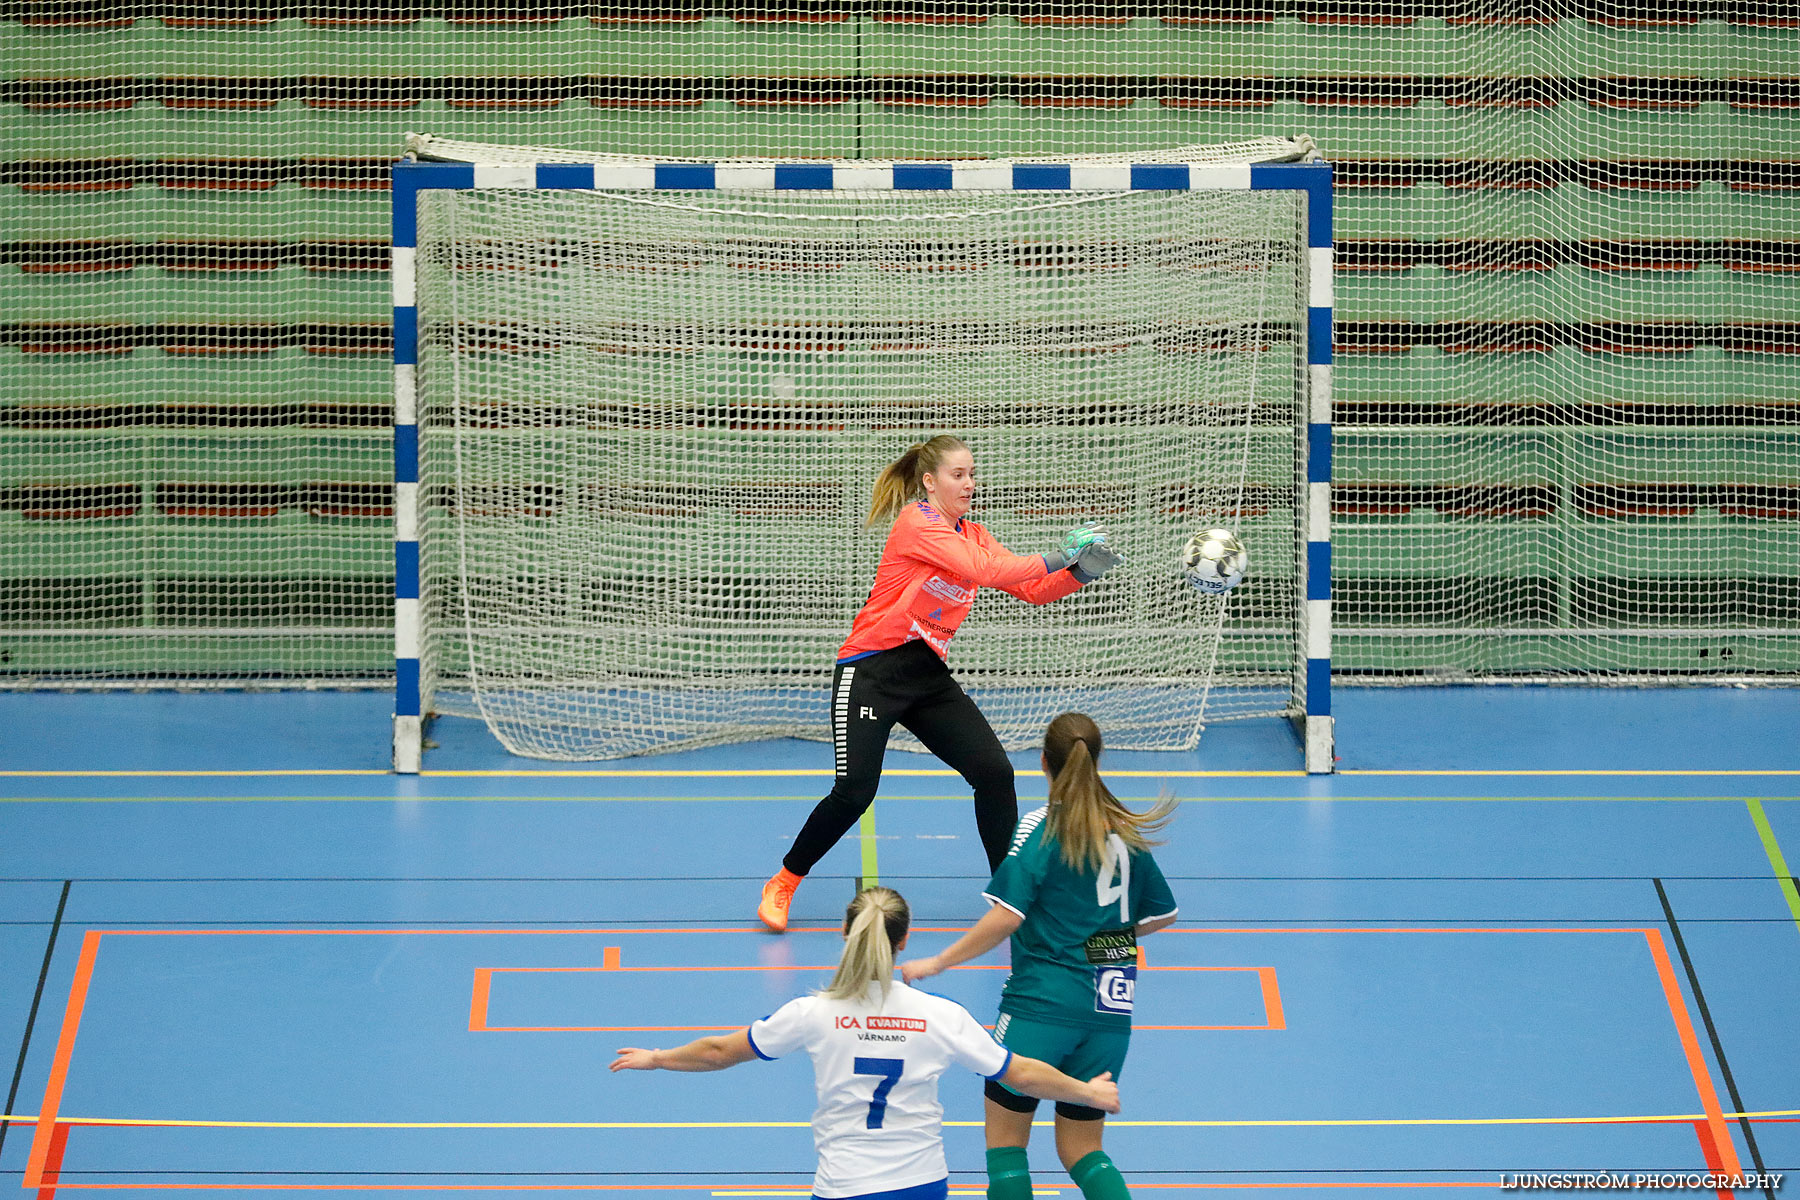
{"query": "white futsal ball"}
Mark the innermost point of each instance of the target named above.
(1214, 561)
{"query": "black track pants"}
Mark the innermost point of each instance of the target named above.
(910, 686)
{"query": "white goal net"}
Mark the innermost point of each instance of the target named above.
(650, 421)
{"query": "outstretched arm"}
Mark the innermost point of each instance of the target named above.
(1086, 562)
(1044, 1081)
(1050, 588)
(702, 1054)
(982, 559)
(995, 926)
(990, 564)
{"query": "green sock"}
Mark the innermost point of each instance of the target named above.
(1009, 1178)
(1097, 1178)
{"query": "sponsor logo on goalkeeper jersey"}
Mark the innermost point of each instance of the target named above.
(945, 590)
(932, 621)
(940, 644)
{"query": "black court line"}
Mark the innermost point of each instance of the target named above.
(37, 998)
(1737, 1101)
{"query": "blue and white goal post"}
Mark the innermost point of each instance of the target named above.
(1311, 671)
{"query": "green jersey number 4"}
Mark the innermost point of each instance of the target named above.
(1115, 863)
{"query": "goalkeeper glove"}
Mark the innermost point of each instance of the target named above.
(1083, 536)
(1074, 542)
(1095, 560)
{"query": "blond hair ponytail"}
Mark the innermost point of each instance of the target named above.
(875, 922)
(902, 480)
(1083, 812)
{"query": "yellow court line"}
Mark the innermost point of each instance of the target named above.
(1253, 1123)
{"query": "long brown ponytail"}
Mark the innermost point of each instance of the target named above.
(1083, 812)
(876, 920)
(902, 480)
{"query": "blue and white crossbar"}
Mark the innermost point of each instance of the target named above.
(1314, 179)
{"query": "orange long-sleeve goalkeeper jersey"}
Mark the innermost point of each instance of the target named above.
(927, 580)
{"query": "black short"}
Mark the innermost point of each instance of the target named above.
(1028, 1104)
(908, 685)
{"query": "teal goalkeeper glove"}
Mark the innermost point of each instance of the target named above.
(1081, 537)
(1087, 534)
(1095, 560)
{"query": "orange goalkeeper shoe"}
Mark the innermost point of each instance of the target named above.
(777, 894)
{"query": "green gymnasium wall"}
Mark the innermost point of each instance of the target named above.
(1568, 290)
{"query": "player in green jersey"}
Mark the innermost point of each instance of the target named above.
(1075, 892)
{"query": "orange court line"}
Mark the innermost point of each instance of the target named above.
(735, 1028)
(1433, 1183)
(490, 931)
(1709, 1149)
(721, 967)
(478, 1002)
(46, 1123)
(614, 966)
(609, 1028)
(59, 1144)
(482, 991)
(760, 932)
(44, 1135)
(1271, 998)
(1690, 1046)
(1409, 929)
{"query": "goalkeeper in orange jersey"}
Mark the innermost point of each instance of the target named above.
(891, 668)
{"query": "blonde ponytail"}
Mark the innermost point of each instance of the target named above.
(902, 480)
(875, 922)
(1083, 812)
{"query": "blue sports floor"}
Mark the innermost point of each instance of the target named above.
(1523, 931)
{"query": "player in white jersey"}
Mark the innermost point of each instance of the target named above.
(878, 1048)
